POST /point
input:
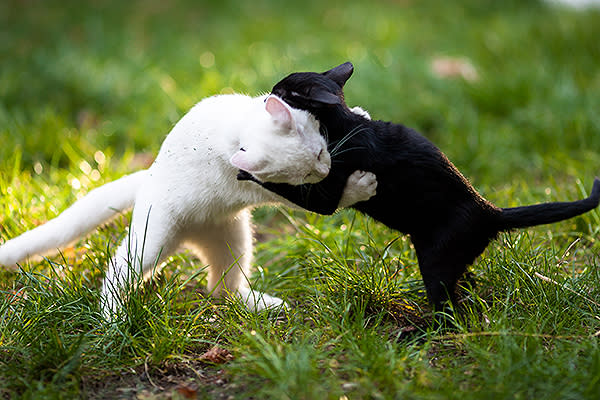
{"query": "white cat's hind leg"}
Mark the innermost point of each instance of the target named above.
(258, 301)
(227, 249)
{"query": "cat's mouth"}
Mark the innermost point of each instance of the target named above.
(320, 171)
(305, 171)
(317, 174)
(323, 165)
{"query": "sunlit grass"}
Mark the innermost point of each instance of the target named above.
(89, 90)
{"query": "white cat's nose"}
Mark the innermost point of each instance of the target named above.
(324, 165)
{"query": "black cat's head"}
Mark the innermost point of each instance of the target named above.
(315, 92)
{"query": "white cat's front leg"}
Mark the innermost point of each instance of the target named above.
(151, 239)
(360, 186)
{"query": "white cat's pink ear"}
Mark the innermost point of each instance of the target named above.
(280, 111)
(240, 160)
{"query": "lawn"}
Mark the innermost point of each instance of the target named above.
(509, 90)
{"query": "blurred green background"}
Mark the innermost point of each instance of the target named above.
(116, 76)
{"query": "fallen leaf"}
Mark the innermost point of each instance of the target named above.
(69, 252)
(217, 355)
(188, 392)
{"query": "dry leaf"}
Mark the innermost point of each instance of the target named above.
(187, 392)
(217, 355)
(69, 252)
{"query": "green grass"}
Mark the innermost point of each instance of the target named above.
(87, 93)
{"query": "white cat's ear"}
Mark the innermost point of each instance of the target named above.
(280, 111)
(242, 161)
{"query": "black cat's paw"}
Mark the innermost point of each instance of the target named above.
(246, 176)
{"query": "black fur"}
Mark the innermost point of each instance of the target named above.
(419, 192)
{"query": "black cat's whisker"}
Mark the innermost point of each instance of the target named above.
(348, 136)
(350, 149)
(306, 189)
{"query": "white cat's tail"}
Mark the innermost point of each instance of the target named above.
(86, 214)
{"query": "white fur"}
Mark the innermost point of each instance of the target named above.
(190, 195)
(359, 111)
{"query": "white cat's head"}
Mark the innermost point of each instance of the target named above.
(284, 146)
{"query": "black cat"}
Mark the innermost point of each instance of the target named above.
(419, 191)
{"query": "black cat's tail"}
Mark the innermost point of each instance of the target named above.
(547, 213)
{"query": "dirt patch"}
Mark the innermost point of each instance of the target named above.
(181, 380)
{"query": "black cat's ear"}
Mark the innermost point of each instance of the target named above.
(323, 96)
(341, 73)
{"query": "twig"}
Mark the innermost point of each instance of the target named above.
(546, 279)
(198, 374)
(148, 374)
(565, 254)
(452, 336)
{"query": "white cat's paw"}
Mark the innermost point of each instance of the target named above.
(359, 111)
(360, 186)
(364, 182)
(110, 305)
(257, 301)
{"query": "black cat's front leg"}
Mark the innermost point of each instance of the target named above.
(440, 289)
(440, 272)
(441, 294)
(322, 197)
(247, 176)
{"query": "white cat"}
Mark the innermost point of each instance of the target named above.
(190, 195)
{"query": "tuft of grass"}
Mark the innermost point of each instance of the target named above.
(88, 91)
